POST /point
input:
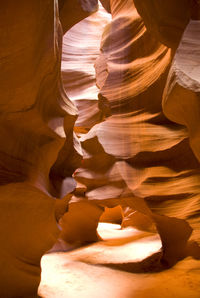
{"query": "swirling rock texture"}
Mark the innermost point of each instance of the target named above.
(135, 157)
(38, 150)
(174, 28)
(80, 50)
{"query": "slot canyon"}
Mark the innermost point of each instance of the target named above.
(100, 148)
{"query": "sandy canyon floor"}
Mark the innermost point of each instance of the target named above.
(97, 270)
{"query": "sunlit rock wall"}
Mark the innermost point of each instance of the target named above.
(81, 48)
(115, 70)
(131, 150)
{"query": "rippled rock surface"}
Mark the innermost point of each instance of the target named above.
(132, 154)
(133, 77)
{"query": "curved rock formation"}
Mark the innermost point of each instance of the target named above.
(165, 19)
(136, 157)
(72, 12)
(38, 149)
(133, 156)
(80, 84)
(181, 97)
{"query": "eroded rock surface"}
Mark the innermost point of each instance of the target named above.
(181, 97)
(135, 156)
(38, 149)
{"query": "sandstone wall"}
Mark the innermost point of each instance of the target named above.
(135, 156)
(38, 148)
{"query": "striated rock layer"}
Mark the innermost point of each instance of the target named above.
(135, 157)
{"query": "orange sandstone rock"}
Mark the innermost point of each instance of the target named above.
(136, 157)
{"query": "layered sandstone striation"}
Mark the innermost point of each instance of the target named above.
(81, 48)
(136, 157)
(133, 77)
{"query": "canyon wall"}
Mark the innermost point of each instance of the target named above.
(130, 80)
(38, 148)
(133, 155)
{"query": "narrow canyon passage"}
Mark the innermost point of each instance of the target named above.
(128, 146)
(100, 148)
